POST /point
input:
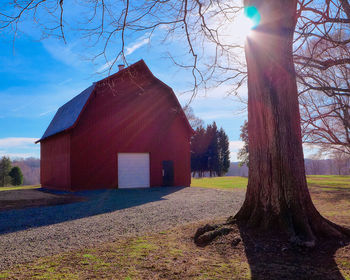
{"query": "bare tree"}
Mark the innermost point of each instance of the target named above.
(243, 153)
(194, 121)
(277, 195)
(314, 167)
(324, 120)
(341, 162)
(323, 32)
(209, 53)
(322, 59)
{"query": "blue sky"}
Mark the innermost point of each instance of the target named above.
(38, 76)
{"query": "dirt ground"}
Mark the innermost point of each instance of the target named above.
(172, 254)
(17, 199)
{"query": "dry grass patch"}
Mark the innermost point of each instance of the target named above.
(166, 255)
(172, 254)
(331, 196)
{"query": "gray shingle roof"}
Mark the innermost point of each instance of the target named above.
(67, 114)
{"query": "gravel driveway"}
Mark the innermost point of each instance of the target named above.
(29, 233)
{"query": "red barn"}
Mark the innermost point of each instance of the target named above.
(125, 131)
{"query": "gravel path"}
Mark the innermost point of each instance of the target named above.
(35, 232)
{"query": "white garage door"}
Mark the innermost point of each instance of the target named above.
(133, 170)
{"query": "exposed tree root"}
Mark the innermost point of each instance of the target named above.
(301, 233)
(208, 233)
(304, 226)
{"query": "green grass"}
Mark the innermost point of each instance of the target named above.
(172, 254)
(220, 182)
(329, 182)
(12, 188)
(326, 182)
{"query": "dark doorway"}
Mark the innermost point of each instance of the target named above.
(168, 173)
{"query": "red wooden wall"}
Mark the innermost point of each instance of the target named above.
(123, 115)
(55, 162)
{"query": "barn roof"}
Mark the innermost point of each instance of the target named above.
(67, 114)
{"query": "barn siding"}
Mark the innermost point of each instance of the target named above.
(55, 162)
(132, 120)
(129, 112)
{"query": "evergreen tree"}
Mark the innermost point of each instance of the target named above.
(213, 149)
(16, 176)
(198, 152)
(5, 168)
(209, 151)
(224, 153)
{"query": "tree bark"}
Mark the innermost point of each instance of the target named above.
(277, 196)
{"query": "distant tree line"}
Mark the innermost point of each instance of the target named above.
(30, 168)
(209, 151)
(9, 175)
(337, 163)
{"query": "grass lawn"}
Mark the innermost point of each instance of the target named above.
(28, 187)
(226, 183)
(326, 182)
(330, 193)
(173, 255)
(329, 182)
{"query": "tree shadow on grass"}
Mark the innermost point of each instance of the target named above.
(91, 203)
(271, 257)
(333, 194)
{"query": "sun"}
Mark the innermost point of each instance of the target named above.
(242, 25)
(253, 15)
(247, 21)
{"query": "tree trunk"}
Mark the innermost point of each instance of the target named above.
(277, 196)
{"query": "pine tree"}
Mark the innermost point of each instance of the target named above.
(16, 176)
(224, 153)
(210, 151)
(213, 149)
(199, 145)
(5, 168)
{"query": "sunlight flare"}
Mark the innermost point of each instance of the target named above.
(242, 25)
(252, 14)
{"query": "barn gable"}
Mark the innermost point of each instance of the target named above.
(127, 130)
(67, 115)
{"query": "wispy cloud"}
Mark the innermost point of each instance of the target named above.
(105, 66)
(47, 112)
(309, 149)
(18, 155)
(21, 102)
(138, 44)
(234, 148)
(219, 97)
(216, 106)
(62, 52)
(128, 50)
(214, 115)
(19, 142)
(65, 82)
(19, 147)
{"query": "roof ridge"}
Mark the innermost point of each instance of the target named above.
(123, 70)
(67, 114)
